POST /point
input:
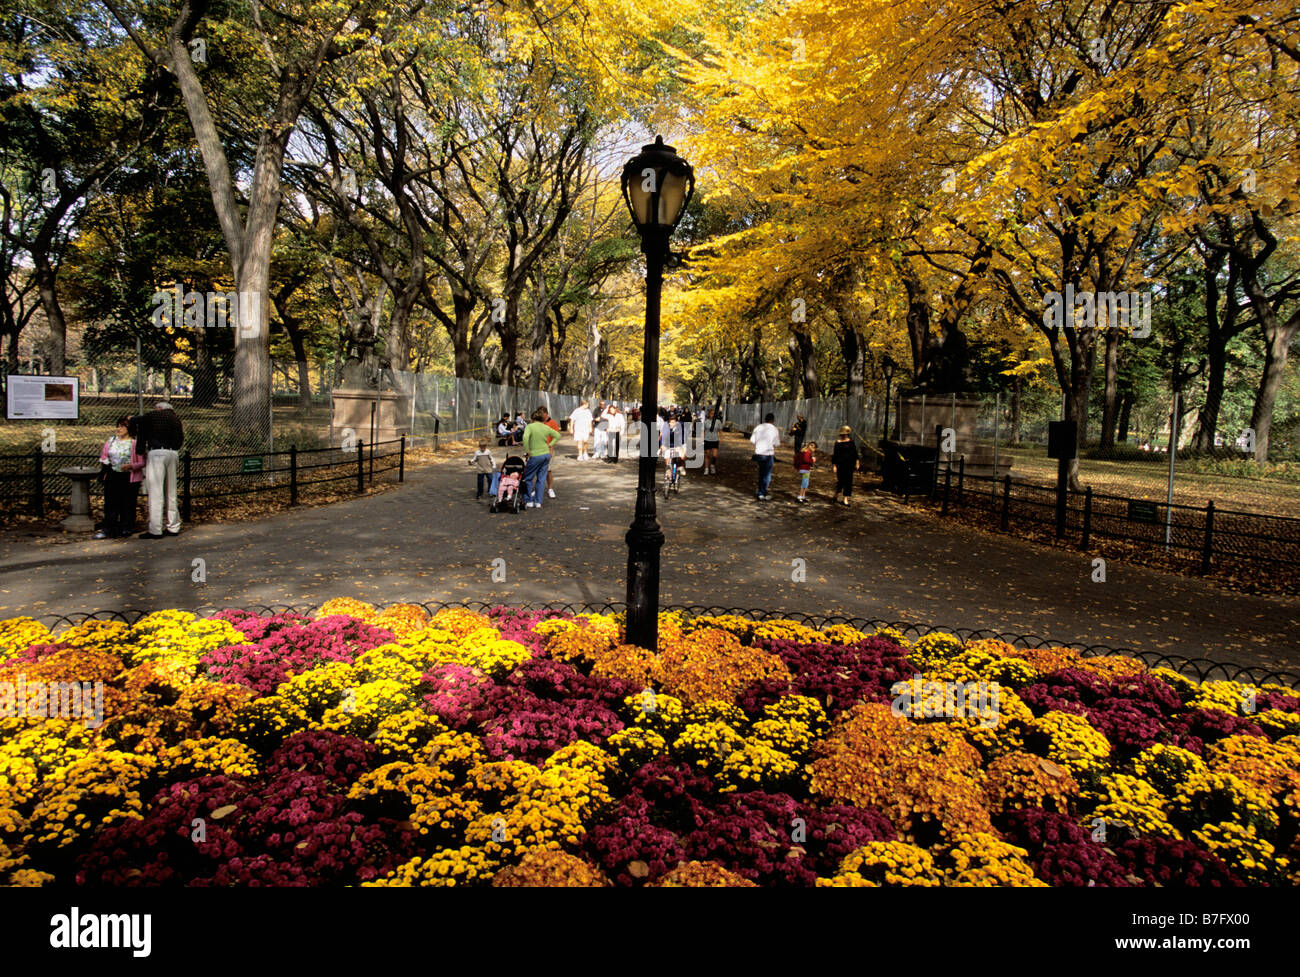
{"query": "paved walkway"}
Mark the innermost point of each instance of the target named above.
(430, 540)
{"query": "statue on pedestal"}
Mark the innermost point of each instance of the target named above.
(947, 364)
(363, 370)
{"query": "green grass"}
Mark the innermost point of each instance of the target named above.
(1277, 494)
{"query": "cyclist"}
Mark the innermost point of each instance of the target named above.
(674, 462)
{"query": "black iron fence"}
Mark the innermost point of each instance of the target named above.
(33, 479)
(1202, 669)
(1205, 539)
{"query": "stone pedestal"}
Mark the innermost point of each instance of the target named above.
(392, 413)
(920, 415)
(78, 519)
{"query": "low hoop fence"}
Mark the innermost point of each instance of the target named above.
(31, 481)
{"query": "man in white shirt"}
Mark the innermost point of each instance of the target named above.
(580, 425)
(765, 439)
(617, 425)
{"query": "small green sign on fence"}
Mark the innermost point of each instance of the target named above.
(1143, 511)
(251, 465)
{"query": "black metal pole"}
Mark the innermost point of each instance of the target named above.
(1062, 483)
(293, 474)
(188, 491)
(645, 539)
(938, 442)
(401, 461)
(1087, 516)
(1006, 503)
(885, 434)
(361, 469)
(1208, 547)
(38, 481)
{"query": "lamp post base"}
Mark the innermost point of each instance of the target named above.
(643, 546)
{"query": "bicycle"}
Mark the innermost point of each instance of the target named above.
(672, 474)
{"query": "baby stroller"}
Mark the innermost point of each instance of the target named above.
(507, 492)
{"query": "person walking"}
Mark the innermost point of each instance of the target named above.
(538, 438)
(798, 431)
(844, 459)
(161, 435)
(803, 463)
(600, 446)
(122, 469)
(580, 424)
(765, 439)
(617, 425)
(712, 434)
(554, 425)
(634, 429)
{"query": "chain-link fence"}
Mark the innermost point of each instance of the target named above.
(824, 415)
(456, 408)
(307, 412)
(1155, 455)
(200, 395)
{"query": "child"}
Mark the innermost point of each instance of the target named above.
(803, 463)
(507, 481)
(121, 470)
(483, 463)
(513, 465)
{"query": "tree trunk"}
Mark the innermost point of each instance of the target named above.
(297, 341)
(918, 323)
(1125, 413)
(1111, 407)
(54, 320)
(1220, 329)
(1207, 423)
(1277, 344)
(854, 350)
(248, 238)
(204, 393)
(807, 374)
(508, 333)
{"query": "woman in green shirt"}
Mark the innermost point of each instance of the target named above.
(538, 437)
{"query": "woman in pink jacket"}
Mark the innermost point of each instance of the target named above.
(121, 470)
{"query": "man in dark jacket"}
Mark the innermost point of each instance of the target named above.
(159, 437)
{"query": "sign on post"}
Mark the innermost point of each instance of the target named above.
(1139, 511)
(42, 397)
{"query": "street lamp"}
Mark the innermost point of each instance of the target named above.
(657, 185)
(887, 367)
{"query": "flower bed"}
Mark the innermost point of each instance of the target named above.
(392, 747)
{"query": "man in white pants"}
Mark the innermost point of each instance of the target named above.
(580, 425)
(161, 435)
